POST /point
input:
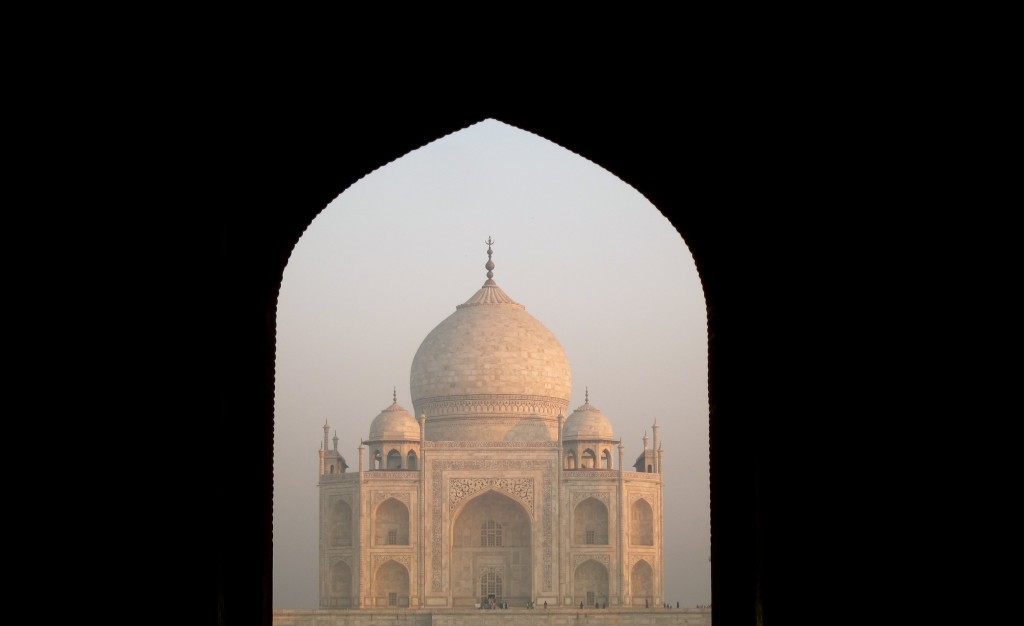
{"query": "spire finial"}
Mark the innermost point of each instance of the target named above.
(394, 395)
(586, 398)
(490, 263)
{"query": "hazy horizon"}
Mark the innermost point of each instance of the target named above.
(587, 255)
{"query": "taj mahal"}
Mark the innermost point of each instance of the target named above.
(490, 492)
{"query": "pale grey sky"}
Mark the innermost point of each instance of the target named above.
(587, 255)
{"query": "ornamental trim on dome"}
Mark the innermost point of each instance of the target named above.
(490, 293)
(437, 407)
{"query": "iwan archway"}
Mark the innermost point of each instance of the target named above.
(492, 553)
(430, 242)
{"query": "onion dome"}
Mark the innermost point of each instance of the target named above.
(487, 364)
(587, 422)
(394, 422)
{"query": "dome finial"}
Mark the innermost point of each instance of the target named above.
(586, 397)
(490, 263)
(394, 395)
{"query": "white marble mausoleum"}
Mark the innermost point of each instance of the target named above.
(496, 493)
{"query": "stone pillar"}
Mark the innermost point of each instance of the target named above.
(620, 530)
(654, 446)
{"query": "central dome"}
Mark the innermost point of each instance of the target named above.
(491, 372)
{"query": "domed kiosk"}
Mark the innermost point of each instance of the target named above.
(486, 495)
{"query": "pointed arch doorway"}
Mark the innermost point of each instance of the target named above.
(491, 559)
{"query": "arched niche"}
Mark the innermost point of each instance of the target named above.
(391, 524)
(588, 460)
(590, 584)
(492, 533)
(340, 524)
(641, 524)
(391, 585)
(641, 583)
(394, 460)
(590, 523)
(340, 595)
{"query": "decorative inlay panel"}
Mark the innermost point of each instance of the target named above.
(492, 569)
(570, 474)
(410, 475)
(577, 559)
(402, 559)
(580, 496)
(380, 496)
(633, 497)
(649, 476)
(519, 488)
(484, 466)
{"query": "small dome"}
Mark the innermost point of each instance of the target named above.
(587, 422)
(394, 422)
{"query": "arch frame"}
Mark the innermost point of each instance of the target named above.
(297, 181)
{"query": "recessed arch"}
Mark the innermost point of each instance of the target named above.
(340, 595)
(590, 584)
(588, 460)
(492, 532)
(340, 524)
(391, 585)
(394, 459)
(391, 523)
(641, 583)
(590, 523)
(641, 523)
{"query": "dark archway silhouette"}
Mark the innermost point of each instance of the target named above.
(709, 175)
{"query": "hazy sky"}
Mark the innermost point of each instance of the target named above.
(587, 255)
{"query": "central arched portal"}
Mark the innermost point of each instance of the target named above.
(492, 560)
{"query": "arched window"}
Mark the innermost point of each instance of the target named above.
(490, 534)
(606, 459)
(394, 460)
(378, 460)
(589, 459)
(411, 460)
